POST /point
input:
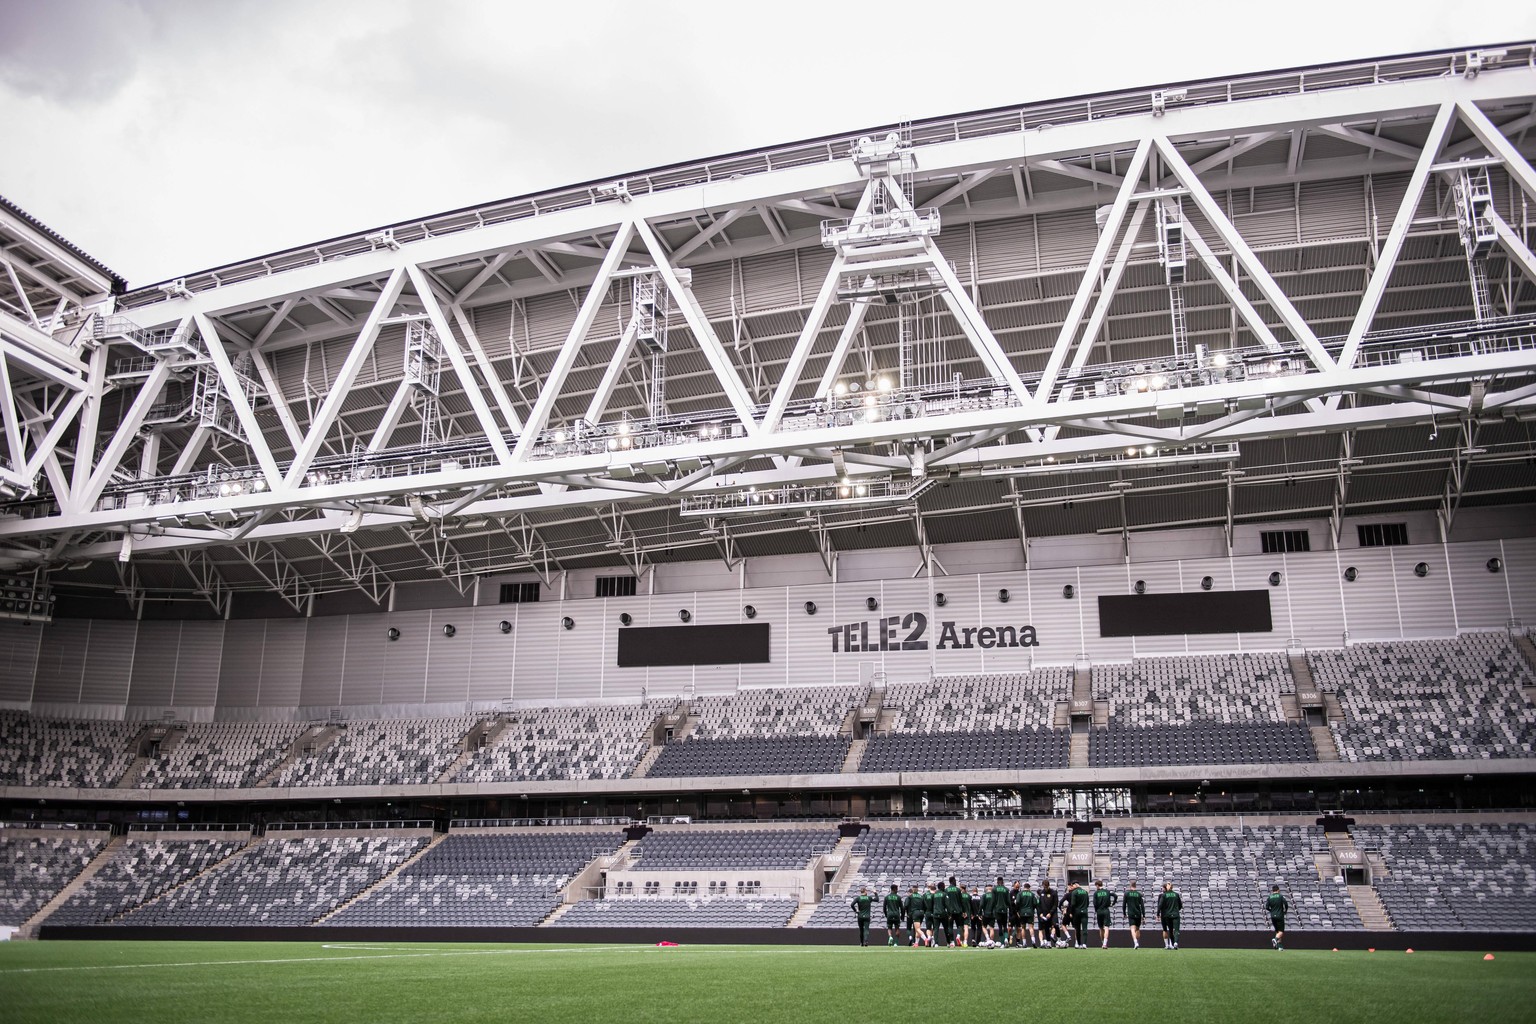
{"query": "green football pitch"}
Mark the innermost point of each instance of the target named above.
(282, 983)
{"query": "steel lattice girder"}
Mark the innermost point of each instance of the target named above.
(506, 478)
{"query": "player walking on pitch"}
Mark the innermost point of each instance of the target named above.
(892, 915)
(862, 904)
(1104, 901)
(1028, 905)
(1170, 908)
(1077, 904)
(1135, 909)
(1277, 905)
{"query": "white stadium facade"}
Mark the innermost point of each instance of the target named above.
(1165, 457)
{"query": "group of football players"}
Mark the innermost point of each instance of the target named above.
(954, 915)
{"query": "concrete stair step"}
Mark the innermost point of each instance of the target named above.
(801, 915)
(362, 894)
(1368, 904)
(1323, 742)
(75, 884)
(855, 756)
(1079, 750)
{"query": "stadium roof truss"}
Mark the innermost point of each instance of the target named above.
(1252, 298)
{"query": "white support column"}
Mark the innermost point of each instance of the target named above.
(1515, 165)
(126, 431)
(839, 353)
(279, 403)
(10, 413)
(790, 376)
(1090, 279)
(342, 385)
(487, 369)
(1510, 239)
(1219, 221)
(1230, 288)
(190, 451)
(703, 333)
(391, 418)
(976, 329)
(605, 387)
(538, 417)
(254, 438)
(460, 366)
(49, 441)
(1376, 287)
(90, 417)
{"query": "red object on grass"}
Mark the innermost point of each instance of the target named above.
(666, 943)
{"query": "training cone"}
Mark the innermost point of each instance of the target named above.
(1371, 950)
(1487, 956)
(1335, 949)
(1407, 951)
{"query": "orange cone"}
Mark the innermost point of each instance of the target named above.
(1371, 950)
(1488, 956)
(1407, 951)
(1335, 949)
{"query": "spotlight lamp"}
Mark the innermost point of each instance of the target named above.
(685, 615)
(1002, 596)
(625, 618)
(504, 626)
(940, 600)
(749, 611)
(1206, 583)
(567, 622)
(810, 607)
(393, 633)
(1069, 592)
(449, 629)
(1351, 574)
(1140, 587)
(871, 603)
(1421, 570)
(1495, 565)
(1274, 579)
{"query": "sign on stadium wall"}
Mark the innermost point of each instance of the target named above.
(910, 632)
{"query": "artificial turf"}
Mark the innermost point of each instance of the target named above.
(283, 983)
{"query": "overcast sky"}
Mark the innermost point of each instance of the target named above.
(169, 136)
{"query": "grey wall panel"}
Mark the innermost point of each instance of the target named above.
(109, 662)
(579, 670)
(1423, 603)
(325, 656)
(534, 676)
(626, 682)
(492, 653)
(785, 571)
(245, 646)
(1161, 578)
(1481, 597)
(1520, 568)
(1160, 546)
(1067, 552)
(1104, 579)
(405, 661)
(1314, 588)
(1252, 573)
(1370, 602)
(810, 659)
(968, 601)
(61, 660)
(197, 663)
(19, 643)
(362, 676)
(899, 598)
(1058, 621)
(153, 681)
(772, 608)
(448, 657)
(978, 556)
(282, 667)
(998, 616)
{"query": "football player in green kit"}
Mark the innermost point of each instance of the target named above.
(913, 905)
(957, 910)
(1027, 904)
(933, 912)
(1277, 905)
(1104, 901)
(1170, 908)
(862, 904)
(1135, 909)
(892, 904)
(1077, 904)
(997, 923)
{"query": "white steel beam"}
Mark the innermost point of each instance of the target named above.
(789, 377)
(1516, 248)
(703, 332)
(1369, 141)
(538, 417)
(1515, 165)
(341, 387)
(1386, 260)
(1090, 278)
(466, 376)
(85, 494)
(291, 427)
(391, 418)
(719, 224)
(235, 394)
(1230, 288)
(487, 369)
(613, 372)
